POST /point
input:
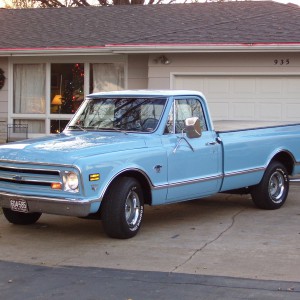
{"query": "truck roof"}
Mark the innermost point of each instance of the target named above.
(146, 93)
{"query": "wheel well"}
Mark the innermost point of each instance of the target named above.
(286, 159)
(144, 182)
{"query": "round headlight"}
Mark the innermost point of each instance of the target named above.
(71, 181)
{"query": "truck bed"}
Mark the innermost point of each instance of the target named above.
(235, 125)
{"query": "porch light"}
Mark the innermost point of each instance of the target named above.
(163, 60)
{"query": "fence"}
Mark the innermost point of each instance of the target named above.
(16, 132)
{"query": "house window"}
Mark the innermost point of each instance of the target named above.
(29, 94)
(67, 86)
(46, 95)
(67, 93)
(106, 77)
(34, 126)
(57, 126)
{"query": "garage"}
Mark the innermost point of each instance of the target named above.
(247, 97)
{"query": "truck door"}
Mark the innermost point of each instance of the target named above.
(194, 164)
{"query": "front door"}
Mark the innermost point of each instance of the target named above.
(194, 164)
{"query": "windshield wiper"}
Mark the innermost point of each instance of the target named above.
(77, 126)
(112, 129)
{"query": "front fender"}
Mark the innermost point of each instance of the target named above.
(149, 163)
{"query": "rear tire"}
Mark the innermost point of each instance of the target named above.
(20, 218)
(122, 208)
(272, 191)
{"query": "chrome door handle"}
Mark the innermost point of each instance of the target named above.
(211, 143)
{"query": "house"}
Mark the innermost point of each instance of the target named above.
(244, 56)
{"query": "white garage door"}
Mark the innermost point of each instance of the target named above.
(257, 98)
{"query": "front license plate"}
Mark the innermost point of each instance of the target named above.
(18, 205)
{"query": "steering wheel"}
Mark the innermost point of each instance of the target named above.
(149, 124)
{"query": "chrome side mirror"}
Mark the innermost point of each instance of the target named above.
(193, 127)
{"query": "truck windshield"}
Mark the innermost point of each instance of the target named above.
(125, 114)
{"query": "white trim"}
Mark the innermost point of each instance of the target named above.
(48, 96)
(86, 83)
(55, 52)
(154, 48)
(10, 92)
(174, 74)
(126, 72)
(72, 59)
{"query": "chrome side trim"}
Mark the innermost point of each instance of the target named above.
(294, 179)
(203, 179)
(180, 183)
(186, 182)
(121, 172)
(242, 172)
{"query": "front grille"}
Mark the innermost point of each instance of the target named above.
(13, 169)
(31, 176)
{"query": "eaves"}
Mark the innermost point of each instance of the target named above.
(114, 49)
(205, 48)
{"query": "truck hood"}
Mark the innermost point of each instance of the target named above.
(66, 148)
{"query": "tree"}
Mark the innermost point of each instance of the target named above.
(64, 3)
(74, 3)
(19, 3)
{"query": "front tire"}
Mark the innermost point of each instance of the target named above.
(272, 191)
(122, 208)
(20, 218)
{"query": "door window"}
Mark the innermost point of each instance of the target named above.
(181, 110)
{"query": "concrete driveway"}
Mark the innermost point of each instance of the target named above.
(224, 235)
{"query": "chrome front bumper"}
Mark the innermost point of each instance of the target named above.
(57, 206)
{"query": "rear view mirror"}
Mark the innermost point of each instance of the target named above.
(193, 127)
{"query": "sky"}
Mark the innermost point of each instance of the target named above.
(2, 2)
(289, 1)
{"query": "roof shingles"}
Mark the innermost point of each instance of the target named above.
(244, 22)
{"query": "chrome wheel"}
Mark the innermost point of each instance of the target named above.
(122, 208)
(132, 208)
(272, 191)
(276, 186)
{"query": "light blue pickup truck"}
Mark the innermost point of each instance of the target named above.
(125, 149)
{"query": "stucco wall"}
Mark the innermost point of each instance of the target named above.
(3, 100)
(220, 63)
(145, 71)
(137, 71)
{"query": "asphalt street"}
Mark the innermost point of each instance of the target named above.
(215, 248)
(20, 281)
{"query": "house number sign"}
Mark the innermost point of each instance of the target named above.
(281, 61)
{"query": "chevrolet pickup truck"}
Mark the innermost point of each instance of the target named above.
(123, 150)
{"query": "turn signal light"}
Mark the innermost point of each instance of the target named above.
(94, 177)
(56, 185)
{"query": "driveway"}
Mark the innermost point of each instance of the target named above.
(224, 235)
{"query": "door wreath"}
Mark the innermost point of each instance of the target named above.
(2, 79)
